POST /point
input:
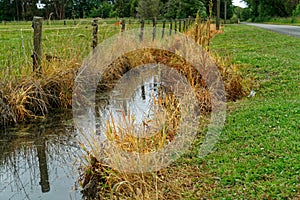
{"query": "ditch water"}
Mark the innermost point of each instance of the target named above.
(40, 160)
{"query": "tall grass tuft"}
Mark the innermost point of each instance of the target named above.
(31, 97)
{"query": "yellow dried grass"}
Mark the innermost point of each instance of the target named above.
(33, 97)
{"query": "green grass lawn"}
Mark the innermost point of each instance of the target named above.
(258, 154)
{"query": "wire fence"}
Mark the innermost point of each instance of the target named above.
(65, 39)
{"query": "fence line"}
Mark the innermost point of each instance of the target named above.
(170, 26)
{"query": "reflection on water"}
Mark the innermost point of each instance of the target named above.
(137, 100)
(39, 161)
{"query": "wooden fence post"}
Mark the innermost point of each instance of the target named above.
(171, 26)
(142, 30)
(218, 16)
(175, 25)
(154, 28)
(225, 12)
(37, 44)
(123, 25)
(184, 25)
(163, 30)
(179, 25)
(95, 33)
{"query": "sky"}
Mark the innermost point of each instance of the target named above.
(238, 3)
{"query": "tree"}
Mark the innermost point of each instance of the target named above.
(123, 8)
(148, 8)
(185, 8)
(261, 9)
(133, 5)
(102, 10)
(296, 12)
(6, 7)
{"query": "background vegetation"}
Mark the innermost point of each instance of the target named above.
(262, 10)
(69, 9)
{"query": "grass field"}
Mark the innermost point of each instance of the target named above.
(258, 155)
(66, 42)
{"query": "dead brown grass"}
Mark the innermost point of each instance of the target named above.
(167, 58)
(182, 181)
(33, 97)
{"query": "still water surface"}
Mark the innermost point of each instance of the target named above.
(40, 160)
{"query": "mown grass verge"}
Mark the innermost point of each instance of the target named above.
(284, 20)
(257, 156)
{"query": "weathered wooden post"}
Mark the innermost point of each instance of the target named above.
(225, 12)
(154, 29)
(175, 25)
(95, 33)
(142, 30)
(37, 44)
(180, 25)
(123, 25)
(163, 30)
(184, 25)
(171, 26)
(218, 16)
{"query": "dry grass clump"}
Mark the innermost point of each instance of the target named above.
(175, 182)
(152, 135)
(237, 85)
(145, 56)
(33, 97)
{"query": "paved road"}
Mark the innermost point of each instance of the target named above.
(283, 29)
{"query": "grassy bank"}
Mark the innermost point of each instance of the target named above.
(257, 156)
(64, 46)
(284, 20)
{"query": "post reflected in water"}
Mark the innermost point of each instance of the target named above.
(125, 107)
(143, 92)
(44, 176)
